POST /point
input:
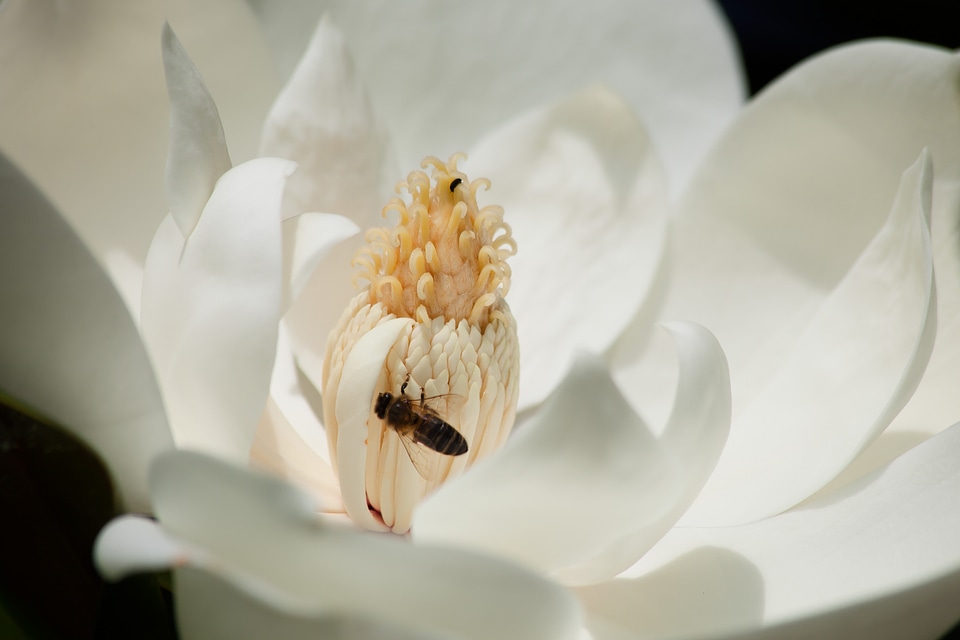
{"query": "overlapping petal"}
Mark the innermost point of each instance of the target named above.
(362, 375)
(68, 346)
(289, 441)
(279, 448)
(211, 307)
(214, 278)
(308, 239)
(442, 75)
(131, 544)
(836, 348)
(764, 236)
(854, 367)
(889, 543)
(584, 489)
(585, 194)
(250, 540)
(322, 120)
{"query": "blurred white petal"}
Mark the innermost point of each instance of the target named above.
(67, 344)
(134, 544)
(676, 65)
(85, 107)
(879, 559)
(247, 538)
(250, 615)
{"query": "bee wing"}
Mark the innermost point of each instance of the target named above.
(444, 405)
(415, 453)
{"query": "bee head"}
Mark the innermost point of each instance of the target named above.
(383, 401)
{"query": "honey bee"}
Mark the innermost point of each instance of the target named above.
(419, 424)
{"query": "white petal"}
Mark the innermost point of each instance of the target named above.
(936, 403)
(67, 344)
(322, 120)
(854, 367)
(299, 403)
(290, 441)
(134, 544)
(278, 449)
(316, 234)
(261, 535)
(585, 194)
(486, 62)
(85, 107)
(697, 429)
(359, 382)
(127, 277)
(212, 607)
(583, 490)
(786, 203)
(878, 559)
(198, 152)
(211, 308)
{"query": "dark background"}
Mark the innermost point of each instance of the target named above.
(776, 34)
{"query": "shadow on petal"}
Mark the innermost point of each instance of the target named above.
(278, 449)
(68, 347)
(199, 592)
(884, 450)
(913, 613)
(708, 591)
(585, 489)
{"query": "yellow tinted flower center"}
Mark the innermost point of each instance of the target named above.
(450, 376)
(446, 257)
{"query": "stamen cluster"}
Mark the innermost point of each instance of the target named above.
(446, 257)
(442, 268)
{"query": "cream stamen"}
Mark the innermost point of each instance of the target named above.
(444, 266)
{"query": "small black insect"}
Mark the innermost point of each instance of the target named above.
(455, 183)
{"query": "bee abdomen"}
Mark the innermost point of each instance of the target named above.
(436, 434)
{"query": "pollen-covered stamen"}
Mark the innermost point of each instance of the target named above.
(446, 258)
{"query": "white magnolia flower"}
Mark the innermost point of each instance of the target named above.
(796, 242)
